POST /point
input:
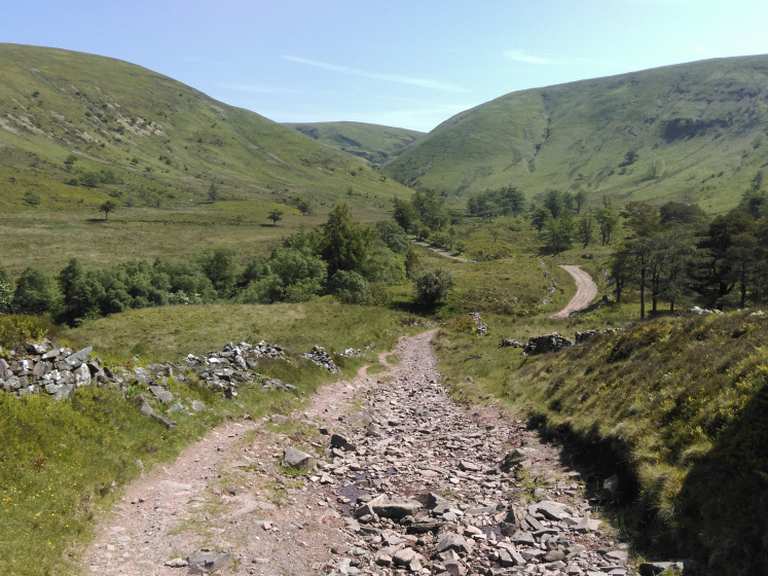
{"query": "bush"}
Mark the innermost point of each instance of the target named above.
(16, 329)
(6, 292)
(219, 266)
(35, 293)
(301, 274)
(432, 287)
(350, 287)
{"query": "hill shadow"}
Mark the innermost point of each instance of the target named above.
(723, 505)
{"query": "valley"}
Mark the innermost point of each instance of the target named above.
(527, 342)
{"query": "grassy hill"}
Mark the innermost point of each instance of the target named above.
(77, 130)
(674, 406)
(693, 132)
(377, 144)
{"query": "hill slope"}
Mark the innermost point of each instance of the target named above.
(377, 144)
(161, 141)
(694, 132)
(674, 406)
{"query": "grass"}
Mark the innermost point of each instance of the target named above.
(576, 135)
(377, 144)
(67, 114)
(61, 463)
(674, 405)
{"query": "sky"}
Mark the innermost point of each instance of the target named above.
(402, 63)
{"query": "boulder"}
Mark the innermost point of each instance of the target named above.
(547, 343)
(294, 458)
(394, 508)
(207, 561)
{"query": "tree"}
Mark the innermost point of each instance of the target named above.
(585, 229)
(580, 199)
(350, 287)
(107, 208)
(432, 287)
(344, 245)
(558, 233)
(430, 207)
(405, 214)
(34, 293)
(608, 222)
(81, 293)
(301, 274)
(220, 268)
(275, 216)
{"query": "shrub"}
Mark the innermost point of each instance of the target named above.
(432, 287)
(301, 274)
(34, 293)
(6, 292)
(349, 287)
(219, 266)
(16, 329)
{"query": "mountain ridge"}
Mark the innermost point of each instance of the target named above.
(632, 136)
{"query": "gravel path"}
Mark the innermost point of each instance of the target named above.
(586, 291)
(410, 483)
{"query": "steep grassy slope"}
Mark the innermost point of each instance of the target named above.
(675, 405)
(377, 144)
(162, 142)
(694, 132)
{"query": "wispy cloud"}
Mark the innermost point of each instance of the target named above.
(259, 89)
(396, 78)
(525, 57)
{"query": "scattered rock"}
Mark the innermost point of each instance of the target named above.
(207, 561)
(294, 458)
(321, 358)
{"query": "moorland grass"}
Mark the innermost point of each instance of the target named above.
(674, 404)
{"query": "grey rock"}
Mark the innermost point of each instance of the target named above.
(162, 394)
(294, 458)
(547, 343)
(5, 370)
(82, 375)
(76, 359)
(339, 442)
(453, 541)
(658, 568)
(146, 409)
(395, 508)
(207, 561)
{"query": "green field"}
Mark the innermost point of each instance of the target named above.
(694, 132)
(377, 144)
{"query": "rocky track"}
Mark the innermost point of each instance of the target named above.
(406, 482)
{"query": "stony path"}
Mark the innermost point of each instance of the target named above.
(586, 291)
(413, 484)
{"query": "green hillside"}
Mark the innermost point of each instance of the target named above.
(377, 144)
(68, 117)
(694, 132)
(674, 406)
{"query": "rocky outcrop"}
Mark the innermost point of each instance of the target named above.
(321, 358)
(547, 343)
(44, 368)
(481, 328)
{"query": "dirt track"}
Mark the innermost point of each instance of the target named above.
(586, 291)
(410, 445)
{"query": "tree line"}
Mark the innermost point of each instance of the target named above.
(341, 257)
(676, 252)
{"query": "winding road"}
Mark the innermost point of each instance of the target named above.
(586, 291)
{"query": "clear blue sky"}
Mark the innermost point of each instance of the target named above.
(407, 63)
